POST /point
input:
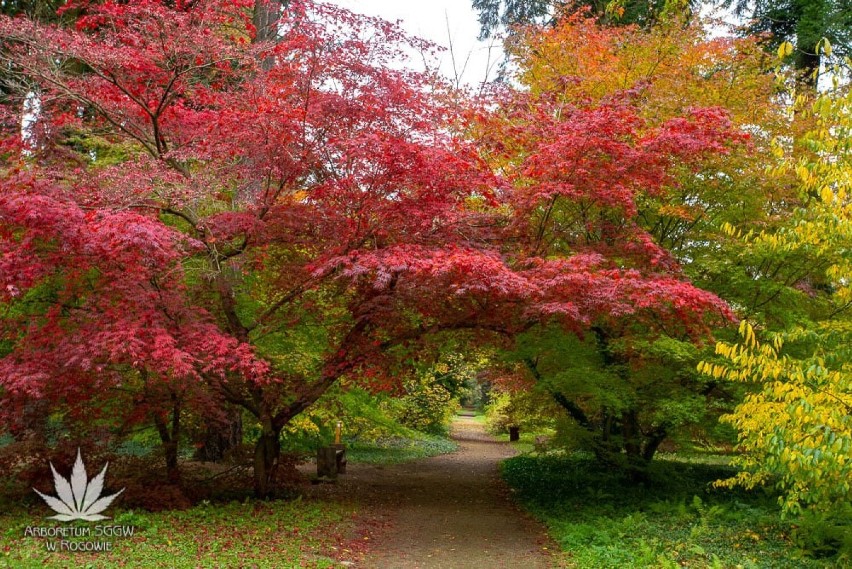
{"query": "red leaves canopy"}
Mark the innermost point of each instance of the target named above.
(315, 166)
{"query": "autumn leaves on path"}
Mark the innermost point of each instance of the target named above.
(450, 511)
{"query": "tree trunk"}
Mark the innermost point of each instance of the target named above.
(267, 451)
(268, 448)
(220, 437)
(172, 469)
(651, 446)
(631, 434)
(606, 448)
(169, 439)
(514, 433)
(265, 19)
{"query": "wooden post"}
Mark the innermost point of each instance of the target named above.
(514, 434)
(340, 458)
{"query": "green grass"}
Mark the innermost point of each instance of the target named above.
(676, 519)
(279, 534)
(393, 450)
(526, 443)
(250, 534)
(479, 417)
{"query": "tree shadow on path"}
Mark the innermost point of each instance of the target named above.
(446, 512)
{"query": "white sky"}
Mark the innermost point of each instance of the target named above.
(440, 20)
(428, 19)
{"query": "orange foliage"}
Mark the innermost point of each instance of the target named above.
(670, 68)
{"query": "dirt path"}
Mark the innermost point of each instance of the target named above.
(447, 512)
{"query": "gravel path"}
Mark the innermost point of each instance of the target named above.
(446, 512)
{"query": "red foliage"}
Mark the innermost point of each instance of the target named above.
(316, 166)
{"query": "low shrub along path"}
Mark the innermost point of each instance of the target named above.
(450, 511)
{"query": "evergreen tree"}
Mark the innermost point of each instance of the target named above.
(803, 23)
(496, 13)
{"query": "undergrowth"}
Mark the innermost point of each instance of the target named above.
(676, 519)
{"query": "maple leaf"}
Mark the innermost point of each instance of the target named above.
(78, 498)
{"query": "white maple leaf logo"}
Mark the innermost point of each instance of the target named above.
(79, 497)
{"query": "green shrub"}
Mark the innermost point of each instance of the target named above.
(529, 410)
(674, 519)
(825, 534)
(426, 407)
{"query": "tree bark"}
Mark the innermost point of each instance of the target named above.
(267, 453)
(169, 435)
(265, 19)
(220, 437)
(654, 439)
(631, 435)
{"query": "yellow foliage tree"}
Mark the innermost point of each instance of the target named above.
(795, 428)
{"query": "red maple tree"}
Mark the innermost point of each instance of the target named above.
(190, 197)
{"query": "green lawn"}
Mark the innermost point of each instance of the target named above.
(676, 520)
(393, 450)
(251, 534)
